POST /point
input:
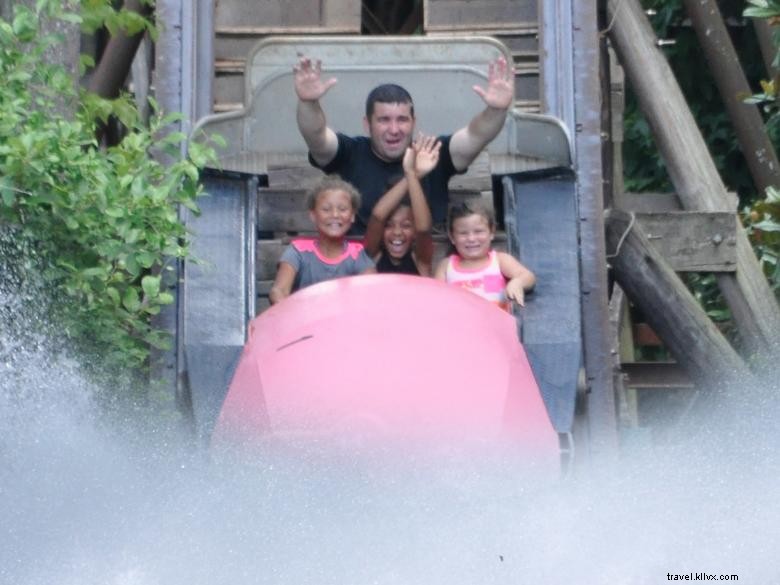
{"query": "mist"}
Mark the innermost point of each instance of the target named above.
(95, 495)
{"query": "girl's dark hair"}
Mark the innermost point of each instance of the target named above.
(467, 208)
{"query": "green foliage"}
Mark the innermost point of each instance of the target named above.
(763, 224)
(644, 168)
(762, 218)
(763, 9)
(105, 221)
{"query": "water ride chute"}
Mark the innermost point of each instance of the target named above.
(387, 357)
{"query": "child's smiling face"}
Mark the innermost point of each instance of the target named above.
(472, 235)
(399, 233)
(333, 213)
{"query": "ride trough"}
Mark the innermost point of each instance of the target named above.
(387, 359)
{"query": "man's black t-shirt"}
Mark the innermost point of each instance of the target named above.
(356, 162)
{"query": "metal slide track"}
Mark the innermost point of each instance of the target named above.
(219, 290)
(542, 229)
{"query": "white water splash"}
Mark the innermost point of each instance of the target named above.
(85, 501)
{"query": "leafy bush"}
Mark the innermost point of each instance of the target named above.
(762, 218)
(104, 221)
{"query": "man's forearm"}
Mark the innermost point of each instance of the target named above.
(486, 125)
(468, 142)
(312, 123)
(321, 140)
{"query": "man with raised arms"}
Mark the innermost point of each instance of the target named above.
(371, 163)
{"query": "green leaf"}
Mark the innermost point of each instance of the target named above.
(767, 226)
(151, 285)
(25, 24)
(72, 18)
(95, 271)
(7, 191)
(113, 294)
(760, 12)
(131, 301)
(146, 259)
(165, 298)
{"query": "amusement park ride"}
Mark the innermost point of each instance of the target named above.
(551, 378)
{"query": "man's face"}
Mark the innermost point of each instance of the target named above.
(390, 128)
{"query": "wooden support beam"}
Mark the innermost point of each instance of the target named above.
(622, 352)
(670, 309)
(733, 87)
(767, 46)
(690, 166)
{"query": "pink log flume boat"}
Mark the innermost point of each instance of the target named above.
(386, 358)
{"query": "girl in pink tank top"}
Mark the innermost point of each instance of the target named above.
(495, 276)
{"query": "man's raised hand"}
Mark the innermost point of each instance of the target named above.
(500, 85)
(308, 80)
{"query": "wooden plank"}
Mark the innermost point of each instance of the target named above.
(529, 107)
(229, 87)
(231, 47)
(655, 375)
(476, 179)
(282, 14)
(227, 107)
(340, 14)
(235, 65)
(670, 308)
(478, 14)
(693, 241)
(282, 211)
(263, 287)
(650, 202)
(244, 30)
(659, 202)
(622, 350)
(522, 42)
(267, 253)
(237, 42)
(264, 12)
(527, 83)
(301, 176)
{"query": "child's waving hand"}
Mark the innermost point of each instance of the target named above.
(426, 150)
